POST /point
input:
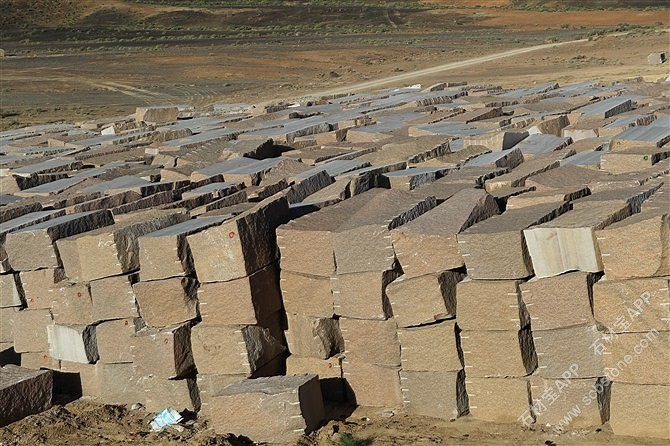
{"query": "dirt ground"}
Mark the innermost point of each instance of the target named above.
(86, 423)
(91, 70)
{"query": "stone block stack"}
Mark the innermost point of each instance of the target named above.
(632, 303)
(236, 263)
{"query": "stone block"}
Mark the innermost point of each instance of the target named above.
(634, 305)
(163, 353)
(116, 246)
(39, 286)
(11, 291)
(559, 301)
(119, 385)
(306, 294)
(518, 176)
(632, 159)
(372, 385)
(165, 253)
(245, 301)
(289, 406)
(114, 298)
(569, 404)
(306, 244)
(233, 349)
(638, 358)
(72, 304)
(564, 349)
(76, 343)
(495, 248)
(371, 341)
(23, 392)
(363, 242)
(362, 295)
(241, 246)
(569, 242)
(39, 360)
(498, 354)
(428, 244)
(490, 305)
(178, 394)
(156, 114)
(329, 372)
(7, 316)
(437, 394)
(424, 299)
(168, 301)
(313, 337)
(501, 400)
(30, 330)
(35, 246)
(640, 410)
(431, 348)
(648, 256)
(115, 339)
(210, 385)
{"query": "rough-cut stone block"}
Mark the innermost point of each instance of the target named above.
(39, 360)
(72, 304)
(115, 339)
(518, 176)
(289, 406)
(178, 394)
(560, 301)
(490, 305)
(210, 385)
(638, 358)
(424, 299)
(241, 246)
(329, 372)
(34, 247)
(634, 305)
(562, 349)
(165, 253)
(76, 343)
(428, 243)
(306, 294)
(119, 384)
(7, 316)
(434, 394)
(164, 353)
(156, 115)
(550, 196)
(372, 385)
(431, 348)
(569, 242)
(116, 247)
(648, 255)
(11, 292)
(362, 295)
(568, 403)
(233, 350)
(371, 341)
(245, 301)
(114, 298)
(495, 248)
(168, 301)
(363, 243)
(501, 400)
(313, 337)
(498, 354)
(632, 159)
(23, 392)
(30, 330)
(640, 410)
(306, 244)
(39, 286)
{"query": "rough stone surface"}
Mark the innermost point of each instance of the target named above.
(306, 294)
(560, 349)
(288, 405)
(431, 348)
(23, 392)
(640, 410)
(501, 400)
(164, 353)
(371, 341)
(424, 299)
(428, 243)
(244, 301)
(362, 295)
(168, 301)
(437, 394)
(498, 354)
(490, 305)
(314, 337)
(76, 343)
(30, 330)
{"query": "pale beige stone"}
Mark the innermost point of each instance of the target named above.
(490, 305)
(431, 348)
(168, 301)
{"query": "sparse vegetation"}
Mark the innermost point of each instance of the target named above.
(351, 440)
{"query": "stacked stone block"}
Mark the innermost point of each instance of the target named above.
(241, 333)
